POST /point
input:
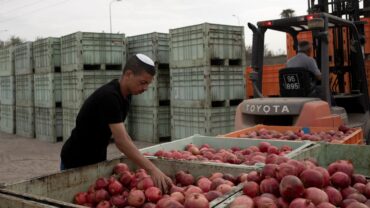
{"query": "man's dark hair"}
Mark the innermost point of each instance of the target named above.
(137, 66)
(303, 46)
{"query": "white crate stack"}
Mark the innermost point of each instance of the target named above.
(24, 97)
(206, 72)
(88, 61)
(7, 91)
(47, 89)
(151, 109)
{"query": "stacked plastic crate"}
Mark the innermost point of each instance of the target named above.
(7, 91)
(88, 60)
(47, 89)
(149, 117)
(24, 99)
(206, 78)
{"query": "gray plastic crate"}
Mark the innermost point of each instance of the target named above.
(158, 93)
(69, 121)
(48, 90)
(150, 124)
(84, 50)
(187, 121)
(10, 200)
(59, 188)
(77, 86)
(7, 90)
(207, 44)
(7, 61)
(155, 45)
(224, 143)
(24, 90)
(204, 85)
(229, 200)
(326, 153)
(46, 55)
(7, 119)
(25, 121)
(49, 124)
(23, 59)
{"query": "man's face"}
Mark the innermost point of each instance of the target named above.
(139, 83)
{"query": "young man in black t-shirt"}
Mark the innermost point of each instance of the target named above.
(102, 116)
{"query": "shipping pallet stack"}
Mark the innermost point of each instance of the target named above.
(47, 89)
(7, 91)
(88, 60)
(149, 116)
(206, 78)
(24, 99)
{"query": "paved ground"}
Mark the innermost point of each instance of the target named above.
(23, 158)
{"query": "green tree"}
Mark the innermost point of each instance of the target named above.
(14, 40)
(287, 13)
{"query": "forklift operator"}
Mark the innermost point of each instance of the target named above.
(303, 59)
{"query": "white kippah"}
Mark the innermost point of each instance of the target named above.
(145, 59)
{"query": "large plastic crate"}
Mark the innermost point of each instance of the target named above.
(69, 121)
(84, 50)
(7, 119)
(46, 55)
(158, 92)
(48, 90)
(23, 59)
(24, 90)
(204, 85)
(187, 121)
(155, 45)
(355, 138)
(79, 85)
(6, 61)
(367, 34)
(207, 44)
(9, 200)
(270, 80)
(49, 124)
(59, 188)
(307, 35)
(7, 90)
(155, 121)
(25, 121)
(225, 143)
(326, 153)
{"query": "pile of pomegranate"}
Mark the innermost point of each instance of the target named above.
(235, 155)
(128, 189)
(304, 184)
(327, 136)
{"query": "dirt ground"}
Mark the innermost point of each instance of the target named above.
(24, 158)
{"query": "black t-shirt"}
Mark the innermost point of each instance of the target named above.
(90, 137)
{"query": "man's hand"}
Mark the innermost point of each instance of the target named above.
(126, 146)
(160, 180)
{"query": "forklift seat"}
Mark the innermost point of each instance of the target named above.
(297, 82)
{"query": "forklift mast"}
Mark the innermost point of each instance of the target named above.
(351, 10)
(345, 9)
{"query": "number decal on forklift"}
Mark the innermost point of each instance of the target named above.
(291, 82)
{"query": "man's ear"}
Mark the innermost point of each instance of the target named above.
(128, 73)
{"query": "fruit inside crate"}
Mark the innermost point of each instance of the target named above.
(216, 150)
(61, 188)
(307, 183)
(343, 134)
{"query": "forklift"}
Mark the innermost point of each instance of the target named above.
(294, 106)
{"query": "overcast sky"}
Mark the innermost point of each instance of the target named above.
(29, 19)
